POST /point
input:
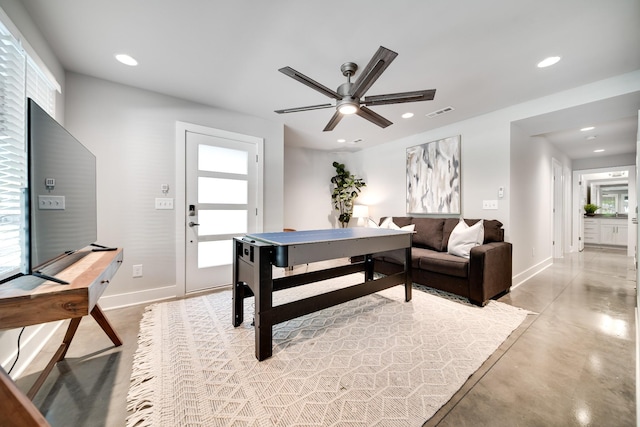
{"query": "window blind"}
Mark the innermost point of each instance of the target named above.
(20, 78)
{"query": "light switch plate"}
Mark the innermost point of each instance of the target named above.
(490, 204)
(51, 203)
(164, 203)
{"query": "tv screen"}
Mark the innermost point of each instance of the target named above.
(62, 211)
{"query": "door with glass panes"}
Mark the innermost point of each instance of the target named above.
(221, 198)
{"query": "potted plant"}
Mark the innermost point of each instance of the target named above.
(346, 188)
(591, 209)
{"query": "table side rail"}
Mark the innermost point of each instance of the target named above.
(291, 310)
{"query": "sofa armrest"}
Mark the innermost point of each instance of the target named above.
(490, 270)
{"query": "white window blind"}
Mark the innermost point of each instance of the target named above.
(19, 78)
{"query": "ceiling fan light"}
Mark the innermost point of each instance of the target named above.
(347, 108)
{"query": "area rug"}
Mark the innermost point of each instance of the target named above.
(374, 361)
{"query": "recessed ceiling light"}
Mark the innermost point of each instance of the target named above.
(587, 128)
(342, 140)
(547, 62)
(590, 137)
(126, 59)
(599, 150)
(407, 115)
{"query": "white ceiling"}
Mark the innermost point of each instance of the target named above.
(480, 55)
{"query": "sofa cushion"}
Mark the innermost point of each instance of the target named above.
(447, 228)
(465, 237)
(396, 257)
(428, 233)
(441, 262)
(493, 231)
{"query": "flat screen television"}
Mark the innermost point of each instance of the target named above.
(61, 199)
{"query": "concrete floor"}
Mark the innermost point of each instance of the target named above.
(572, 364)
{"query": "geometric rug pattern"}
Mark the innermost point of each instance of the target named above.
(374, 361)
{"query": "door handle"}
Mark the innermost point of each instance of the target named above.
(192, 224)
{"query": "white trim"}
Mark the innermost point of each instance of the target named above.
(520, 278)
(146, 296)
(180, 191)
(30, 346)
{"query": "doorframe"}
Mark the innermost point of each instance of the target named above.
(557, 208)
(578, 212)
(181, 194)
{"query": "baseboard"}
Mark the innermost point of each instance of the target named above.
(32, 341)
(520, 278)
(110, 302)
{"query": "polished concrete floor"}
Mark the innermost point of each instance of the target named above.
(570, 364)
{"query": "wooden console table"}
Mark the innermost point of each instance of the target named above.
(28, 300)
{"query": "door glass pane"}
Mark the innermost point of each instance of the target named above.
(218, 190)
(212, 254)
(213, 222)
(218, 159)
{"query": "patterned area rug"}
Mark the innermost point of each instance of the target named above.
(374, 361)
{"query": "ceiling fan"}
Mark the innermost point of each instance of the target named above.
(349, 96)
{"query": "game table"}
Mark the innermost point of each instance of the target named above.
(255, 255)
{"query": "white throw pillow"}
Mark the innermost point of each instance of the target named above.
(410, 227)
(385, 223)
(463, 238)
(388, 223)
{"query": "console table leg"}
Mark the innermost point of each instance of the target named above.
(58, 356)
(17, 410)
(99, 317)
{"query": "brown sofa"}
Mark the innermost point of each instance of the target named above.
(484, 275)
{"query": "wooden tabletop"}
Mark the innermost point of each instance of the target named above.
(29, 300)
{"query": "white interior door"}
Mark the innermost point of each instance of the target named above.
(221, 203)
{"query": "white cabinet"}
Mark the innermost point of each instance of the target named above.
(613, 232)
(591, 230)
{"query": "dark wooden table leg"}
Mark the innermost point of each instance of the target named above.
(368, 267)
(263, 302)
(237, 288)
(408, 279)
(99, 317)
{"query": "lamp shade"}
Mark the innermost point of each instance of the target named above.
(360, 211)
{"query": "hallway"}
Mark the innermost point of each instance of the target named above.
(572, 364)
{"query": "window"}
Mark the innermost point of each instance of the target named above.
(20, 78)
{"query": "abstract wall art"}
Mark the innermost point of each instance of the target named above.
(433, 177)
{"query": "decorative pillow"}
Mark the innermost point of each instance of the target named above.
(388, 223)
(463, 238)
(410, 227)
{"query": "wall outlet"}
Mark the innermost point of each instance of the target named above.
(137, 270)
(164, 203)
(489, 204)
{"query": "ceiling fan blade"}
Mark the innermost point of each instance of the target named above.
(398, 98)
(309, 82)
(335, 119)
(308, 108)
(373, 70)
(373, 117)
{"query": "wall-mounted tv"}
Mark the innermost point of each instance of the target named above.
(62, 207)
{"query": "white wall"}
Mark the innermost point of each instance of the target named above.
(487, 163)
(132, 133)
(307, 178)
(532, 201)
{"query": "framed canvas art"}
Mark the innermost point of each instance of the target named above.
(433, 177)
